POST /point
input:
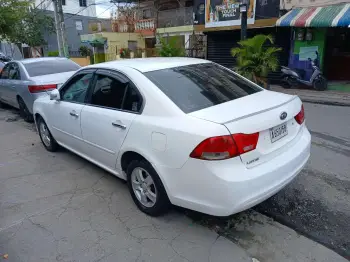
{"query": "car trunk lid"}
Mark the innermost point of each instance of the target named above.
(270, 114)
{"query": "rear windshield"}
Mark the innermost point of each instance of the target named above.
(199, 86)
(48, 67)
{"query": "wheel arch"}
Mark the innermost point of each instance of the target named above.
(131, 154)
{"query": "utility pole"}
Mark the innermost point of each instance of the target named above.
(62, 29)
(243, 8)
(58, 28)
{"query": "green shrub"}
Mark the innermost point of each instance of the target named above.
(53, 53)
(169, 48)
(84, 51)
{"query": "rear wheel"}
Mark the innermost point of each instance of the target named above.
(45, 135)
(146, 188)
(320, 83)
(24, 112)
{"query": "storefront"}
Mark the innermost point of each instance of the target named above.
(320, 33)
(221, 22)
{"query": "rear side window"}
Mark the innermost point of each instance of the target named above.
(199, 86)
(48, 67)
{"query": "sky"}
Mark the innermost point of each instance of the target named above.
(104, 9)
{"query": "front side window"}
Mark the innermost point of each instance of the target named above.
(108, 92)
(14, 72)
(116, 93)
(5, 72)
(76, 89)
(199, 86)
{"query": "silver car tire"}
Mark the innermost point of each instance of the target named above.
(146, 188)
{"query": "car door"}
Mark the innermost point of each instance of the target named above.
(65, 115)
(113, 104)
(4, 83)
(14, 84)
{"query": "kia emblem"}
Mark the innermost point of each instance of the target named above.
(283, 115)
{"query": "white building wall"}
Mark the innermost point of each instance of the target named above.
(289, 4)
(71, 7)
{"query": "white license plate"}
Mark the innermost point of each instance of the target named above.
(277, 132)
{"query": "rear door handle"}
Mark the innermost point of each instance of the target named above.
(119, 124)
(74, 114)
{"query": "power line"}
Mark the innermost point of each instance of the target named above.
(39, 4)
(105, 10)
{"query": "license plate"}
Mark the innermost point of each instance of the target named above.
(277, 132)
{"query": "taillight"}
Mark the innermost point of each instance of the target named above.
(224, 147)
(41, 88)
(300, 117)
(246, 142)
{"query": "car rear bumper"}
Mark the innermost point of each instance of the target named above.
(29, 100)
(222, 188)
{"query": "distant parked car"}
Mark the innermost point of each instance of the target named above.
(182, 131)
(21, 82)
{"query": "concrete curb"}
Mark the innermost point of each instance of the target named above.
(329, 103)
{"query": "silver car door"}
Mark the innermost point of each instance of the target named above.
(4, 83)
(14, 84)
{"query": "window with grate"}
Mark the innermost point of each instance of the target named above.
(82, 3)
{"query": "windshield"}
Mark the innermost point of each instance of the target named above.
(48, 67)
(195, 87)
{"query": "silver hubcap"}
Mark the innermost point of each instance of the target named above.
(143, 187)
(45, 135)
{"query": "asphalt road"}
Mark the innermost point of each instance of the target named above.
(317, 203)
(60, 207)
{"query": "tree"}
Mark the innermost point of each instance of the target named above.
(31, 29)
(26, 24)
(254, 60)
(11, 13)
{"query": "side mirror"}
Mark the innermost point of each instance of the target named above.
(55, 95)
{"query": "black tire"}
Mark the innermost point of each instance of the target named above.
(320, 83)
(24, 112)
(285, 83)
(52, 146)
(162, 203)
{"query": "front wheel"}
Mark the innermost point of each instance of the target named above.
(320, 83)
(146, 188)
(45, 135)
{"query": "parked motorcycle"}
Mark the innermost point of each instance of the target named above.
(4, 58)
(291, 78)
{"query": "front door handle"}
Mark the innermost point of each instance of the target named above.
(74, 114)
(119, 124)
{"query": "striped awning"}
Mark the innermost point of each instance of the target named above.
(326, 16)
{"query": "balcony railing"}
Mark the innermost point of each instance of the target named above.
(175, 17)
(145, 26)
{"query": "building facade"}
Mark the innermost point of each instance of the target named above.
(220, 21)
(319, 29)
(81, 7)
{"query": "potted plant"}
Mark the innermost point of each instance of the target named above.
(254, 60)
(123, 52)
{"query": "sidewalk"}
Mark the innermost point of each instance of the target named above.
(317, 97)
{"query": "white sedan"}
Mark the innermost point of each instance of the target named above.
(181, 131)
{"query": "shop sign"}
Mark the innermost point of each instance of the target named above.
(226, 13)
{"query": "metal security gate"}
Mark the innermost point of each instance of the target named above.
(220, 45)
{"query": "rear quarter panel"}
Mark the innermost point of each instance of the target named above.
(168, 141)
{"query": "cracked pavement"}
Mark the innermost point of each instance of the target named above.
(59, 207)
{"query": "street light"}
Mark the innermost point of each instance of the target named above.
(243, 6)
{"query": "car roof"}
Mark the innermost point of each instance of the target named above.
(150, 64)
(40, 59)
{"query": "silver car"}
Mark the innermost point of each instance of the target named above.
(23, 81)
